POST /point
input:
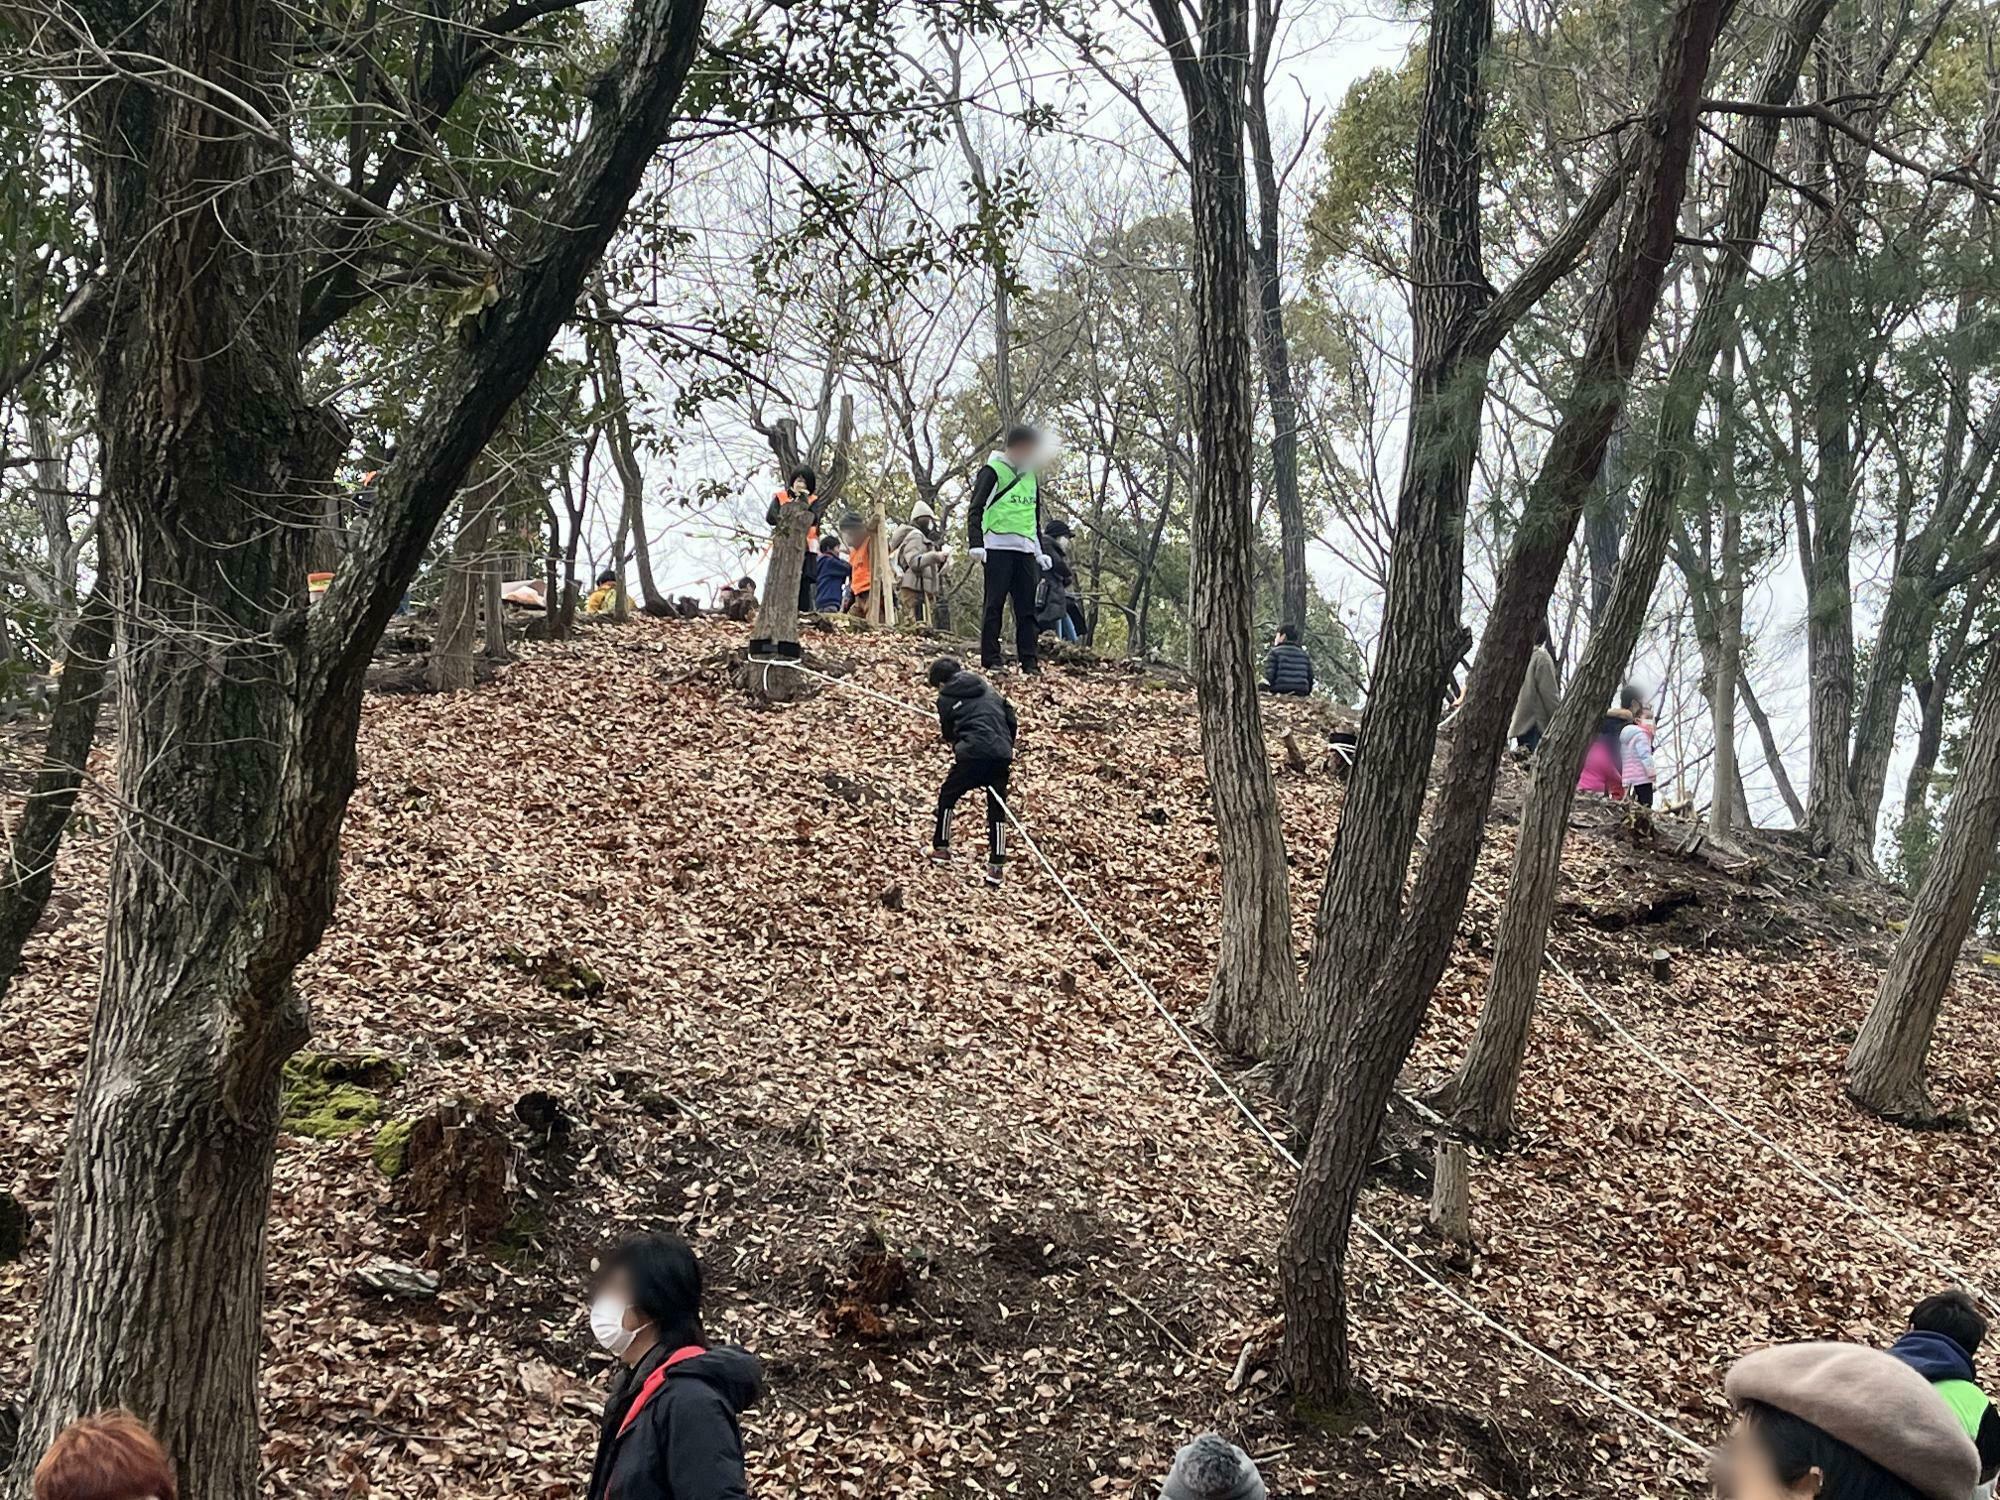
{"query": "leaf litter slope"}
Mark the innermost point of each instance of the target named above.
(990, 1230)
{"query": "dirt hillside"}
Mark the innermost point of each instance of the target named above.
(663, 959)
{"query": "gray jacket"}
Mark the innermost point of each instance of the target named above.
(918, 562)
(1540, 693)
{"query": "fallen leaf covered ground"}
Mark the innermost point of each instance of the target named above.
(991, 1231)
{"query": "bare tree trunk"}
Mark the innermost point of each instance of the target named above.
(1481, 1096)
(1933, 693)
(458, 607)
(1295, 588)
(1774, 760)
(625, 460)
(1376, 1033)
(38, 834)
(1722, 808)
(1253, 994)
(238, 709)
(493, 608)
(1885, 1067)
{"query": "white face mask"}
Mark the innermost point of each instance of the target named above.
(607, 1321)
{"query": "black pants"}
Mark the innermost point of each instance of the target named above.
(1642, 793)
(967, 776)
(1010, 576)
(1531, 739)
(808, 582)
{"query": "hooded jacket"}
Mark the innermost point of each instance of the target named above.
(831, 582)
(918, 560)
(1948, 1368)
(670, 1428)
(975, 719)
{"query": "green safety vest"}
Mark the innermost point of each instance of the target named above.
(1013, 513)
(1967, 1402)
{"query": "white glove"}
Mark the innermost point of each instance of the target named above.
(1045, 560)
(977, 554)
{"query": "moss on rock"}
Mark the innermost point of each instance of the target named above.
(392, 1148)
(328, 1095)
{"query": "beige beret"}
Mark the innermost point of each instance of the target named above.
(1872, 1402)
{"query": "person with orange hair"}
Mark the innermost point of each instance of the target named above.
(111, 1456)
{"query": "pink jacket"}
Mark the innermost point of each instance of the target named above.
(1600, 769)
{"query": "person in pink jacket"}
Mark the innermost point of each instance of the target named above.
(1601, 760)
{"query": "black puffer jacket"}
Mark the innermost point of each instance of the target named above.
(1289, 670)
(670, 1430)
(975, 719)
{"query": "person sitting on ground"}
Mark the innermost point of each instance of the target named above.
(831, 588)
(801, 488)
(671, 1424)
(604, 598)
(1288, 669)
(1946, 1330)
(1535, 705)
(1600, 761)
(1635, 746)
(860, 563)
(979, 724)
(1839, 1422)
(740, 601)
(111, 1456)
(1213, 1468)
(917, 554)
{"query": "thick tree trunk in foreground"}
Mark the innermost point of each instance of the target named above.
(239, 710)
(1481, 1097)
(1421, 637)
(1253, 996)
(1885, 1067)
(1377, 1033)
(31, 864)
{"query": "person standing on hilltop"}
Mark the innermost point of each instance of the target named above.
(801, 488)
(979, 724)
(1003, 533)
(830, 592)
(1541, 692)
(918, 553)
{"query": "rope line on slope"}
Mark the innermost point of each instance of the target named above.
(1278, 1147)
(1861, 1210)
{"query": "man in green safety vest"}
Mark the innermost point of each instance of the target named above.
(1004, 535)
(1946, 1330)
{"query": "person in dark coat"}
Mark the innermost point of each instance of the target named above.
(1055, 605)
(831, 589)
(1288, 669)
(671, 1425)
(979, 724)
(1946, 1330)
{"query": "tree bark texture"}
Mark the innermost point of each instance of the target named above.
(1481, 1096)
(450, 666)
(1253, 995)
(239, 707)
(625, 460)
(1375, 1034)
(1295, 589)
(1885, 1067)
(1421, 634)
(38, 834)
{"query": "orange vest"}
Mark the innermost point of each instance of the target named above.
(786, 497)
(862, 562)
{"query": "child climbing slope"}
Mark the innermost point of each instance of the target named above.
(979, 725)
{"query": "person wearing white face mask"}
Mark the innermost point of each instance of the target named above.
(671, 1424)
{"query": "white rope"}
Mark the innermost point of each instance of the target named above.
(1750, 1132)
(1278, 1147)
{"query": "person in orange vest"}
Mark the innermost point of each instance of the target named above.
(860, 563)
(801, 488)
